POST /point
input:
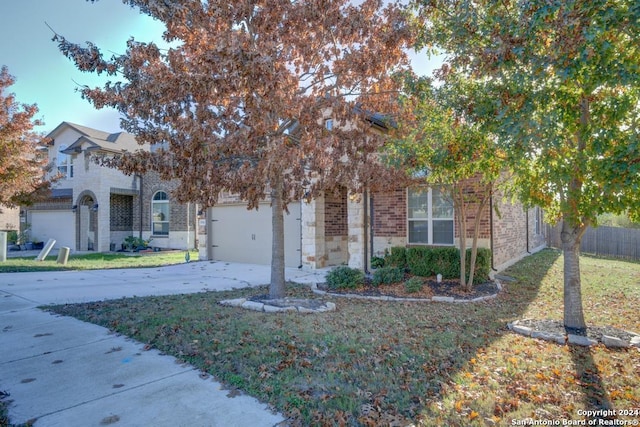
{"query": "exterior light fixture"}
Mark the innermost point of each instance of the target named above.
(74, 208)
(95, 208)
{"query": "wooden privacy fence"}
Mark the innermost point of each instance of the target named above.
(610, 241)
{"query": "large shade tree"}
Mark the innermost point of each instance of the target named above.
(22, 166)
(239, 102)
(564, 77)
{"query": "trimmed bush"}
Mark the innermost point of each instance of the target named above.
(413, 284)
(377, 262)
(397, 257)
(344, 277)
(483, 265)
(388, 275)
(428, 261)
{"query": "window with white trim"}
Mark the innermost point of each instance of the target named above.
(64, 162)
(429, 217)
(160, 214)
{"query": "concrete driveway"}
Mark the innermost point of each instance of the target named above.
(60, 371)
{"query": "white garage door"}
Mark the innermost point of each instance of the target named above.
(240, 235)
(57, 225)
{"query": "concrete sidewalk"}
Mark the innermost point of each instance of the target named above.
(64, 372)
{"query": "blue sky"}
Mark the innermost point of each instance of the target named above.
(46, 78)
(43, 75)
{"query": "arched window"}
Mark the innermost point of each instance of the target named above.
(160, 214)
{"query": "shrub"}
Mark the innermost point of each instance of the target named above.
(428, 261)
(377, 262)
(483, 265)
(397, 257)
(388, 275)
(413, 284)
(344, 277)
(12, 237)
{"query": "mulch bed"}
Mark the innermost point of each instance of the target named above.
(430, 288)
(556, 327)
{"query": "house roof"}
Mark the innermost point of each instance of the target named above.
(94, 139)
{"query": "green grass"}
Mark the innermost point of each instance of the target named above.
(94, 261)
(391, 363)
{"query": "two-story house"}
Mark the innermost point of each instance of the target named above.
(94, 208)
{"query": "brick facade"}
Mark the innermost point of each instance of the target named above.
(390, 213)
(335, 214)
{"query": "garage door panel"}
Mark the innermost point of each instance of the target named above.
(58, 225)
(241, 235)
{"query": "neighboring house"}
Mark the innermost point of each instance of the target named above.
(346, 229)
(94, 208)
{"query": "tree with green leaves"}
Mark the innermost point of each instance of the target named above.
(442, 145)
(239, 102)
(564, 80)
(22, 167)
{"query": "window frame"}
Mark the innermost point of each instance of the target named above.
(429, 220)
(160, 202)
(65, 158)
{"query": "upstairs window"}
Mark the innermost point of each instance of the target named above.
(160, 214)
(328, 124)
(429, 217)
(64, 162)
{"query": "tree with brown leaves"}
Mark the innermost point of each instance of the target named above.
(22, 168)
(239, 102)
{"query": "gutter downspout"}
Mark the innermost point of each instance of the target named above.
(140, 192)
(364, 229)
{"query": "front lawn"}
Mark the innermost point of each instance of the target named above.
(98, 260)
(395, 363)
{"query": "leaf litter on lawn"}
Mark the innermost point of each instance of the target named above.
(377, 363)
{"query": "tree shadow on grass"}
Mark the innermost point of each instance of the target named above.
(588, 376)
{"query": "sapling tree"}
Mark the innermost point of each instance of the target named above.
(443, 146)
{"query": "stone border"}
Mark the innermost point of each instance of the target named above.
(608, 341)
(453, 300)
(267, 308)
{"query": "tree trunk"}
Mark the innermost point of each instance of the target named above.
(277, 286)
(461, 212)
(571, 236)
(486, 196)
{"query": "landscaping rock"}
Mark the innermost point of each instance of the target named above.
(581, 340)
(442, 299)
(519, 329)
(251, 305)
(614, 342)
(233, 302)
(548, 336)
